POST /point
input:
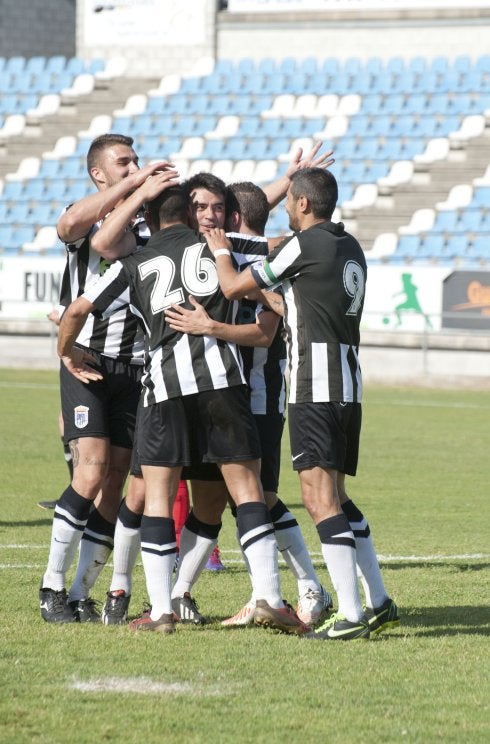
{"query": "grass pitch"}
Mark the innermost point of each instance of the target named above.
(423, 484)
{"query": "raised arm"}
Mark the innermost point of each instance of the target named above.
(276, 191)
(76, 221)
(114, 239)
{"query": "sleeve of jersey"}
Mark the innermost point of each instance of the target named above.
(110, 292)
(283, 263)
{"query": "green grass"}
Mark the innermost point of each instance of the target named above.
(423, 483)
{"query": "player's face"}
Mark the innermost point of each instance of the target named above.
(292, 210)
(207, 210)
(116, 163)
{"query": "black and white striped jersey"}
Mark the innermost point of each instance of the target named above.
(173, 265)
(264, 368)
(120, 336)
(323, 274)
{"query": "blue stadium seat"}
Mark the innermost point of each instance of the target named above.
(75, 66)
(56, 63)
(35, 65)
(408, 246)
(480, 246)
(22, 235)
(456, 246)
(470, 220)
(445, 221)
(288, 65)
(15, 64)
(481, 197)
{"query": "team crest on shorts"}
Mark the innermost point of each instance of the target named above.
(81, 416)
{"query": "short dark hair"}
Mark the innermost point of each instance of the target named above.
(320, 188)
(206, 181)
(101, 143)
(251, 202)
(169, 206)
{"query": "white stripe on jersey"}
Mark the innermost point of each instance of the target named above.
(358, 374)
(155, 376)
(183, 364)
(292, 322)
(320, 389)
(347, 383)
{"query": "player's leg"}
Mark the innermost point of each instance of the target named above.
(381, 610)
(126, 549)
(117, 413)
(317, 436)
(91, 458)
(313, 600)
(200, 532)
(162, 444)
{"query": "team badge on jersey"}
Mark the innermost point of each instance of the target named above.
(81, 416)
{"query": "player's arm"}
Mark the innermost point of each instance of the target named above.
(76, 221)
(76, 360)
(197, 322)
(276, 191)
(234, 284)
(114, 239)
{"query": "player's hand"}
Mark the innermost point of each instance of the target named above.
(216, 238)
(310, 160)
(148, 170)
(157, 182)
(196, 322)
(77, 362)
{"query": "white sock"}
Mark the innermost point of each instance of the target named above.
(193, 556)
(127, 541)
(367, 561)
(260, 548)
(70, 517)
(158, 551)
(95, 548)
(339, 554)
(293, 548)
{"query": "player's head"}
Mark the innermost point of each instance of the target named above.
(313, 192)
(247, 208)
(207, 198)
(110, 158)
(170, 207)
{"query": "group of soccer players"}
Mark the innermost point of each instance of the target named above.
(171, 340)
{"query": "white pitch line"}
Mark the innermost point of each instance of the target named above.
(140, 685)
(30, 385)
(233, 562)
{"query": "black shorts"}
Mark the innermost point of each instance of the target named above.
(325, 435)
(270, 428)
(210, 427)
(106, 408)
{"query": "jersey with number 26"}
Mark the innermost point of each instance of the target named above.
(173, 265)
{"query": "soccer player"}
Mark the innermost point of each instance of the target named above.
(259, 334)
(323, 274)
(194, 404)
(99, 418)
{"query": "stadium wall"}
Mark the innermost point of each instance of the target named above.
(383, 33)
(31, 28)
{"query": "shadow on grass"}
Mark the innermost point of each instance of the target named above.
(28, 523)
(446, 621)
